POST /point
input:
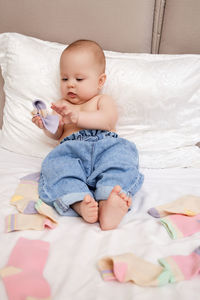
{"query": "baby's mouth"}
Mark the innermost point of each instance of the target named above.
(71, 95)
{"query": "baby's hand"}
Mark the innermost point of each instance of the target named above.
(38, 122)
(68, 114)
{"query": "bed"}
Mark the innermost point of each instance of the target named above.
(159, 102)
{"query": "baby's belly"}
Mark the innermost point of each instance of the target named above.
(68, 131)
(72, 129)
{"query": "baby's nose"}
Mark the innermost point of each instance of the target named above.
(71, 83)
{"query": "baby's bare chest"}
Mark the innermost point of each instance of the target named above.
(89, 106)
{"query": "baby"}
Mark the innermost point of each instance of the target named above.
(92, 172)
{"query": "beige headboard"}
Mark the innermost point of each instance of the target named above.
(150, 26)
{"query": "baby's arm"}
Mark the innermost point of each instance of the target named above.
(104, 118)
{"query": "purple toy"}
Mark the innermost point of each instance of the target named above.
(50, 122)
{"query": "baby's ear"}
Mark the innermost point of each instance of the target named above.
(102, 79)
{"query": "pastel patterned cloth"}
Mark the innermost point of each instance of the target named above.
(181, 217)
(23, 275)
(130, 268)
(33, 212)
(188, 205)
(179, 226)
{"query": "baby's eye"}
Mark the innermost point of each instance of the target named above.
(79, 79)
(64, 79)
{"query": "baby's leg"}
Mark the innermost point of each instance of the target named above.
(113, 209)
(116, 162)
(87, 209)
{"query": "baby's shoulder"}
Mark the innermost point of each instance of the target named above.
(104, 98)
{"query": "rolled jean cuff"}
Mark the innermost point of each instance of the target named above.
(62, 205)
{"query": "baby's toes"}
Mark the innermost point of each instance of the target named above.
(116, 189)
(129, 201)
(123, 196)
(126, 198)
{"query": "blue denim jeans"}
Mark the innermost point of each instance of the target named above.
(88, 162)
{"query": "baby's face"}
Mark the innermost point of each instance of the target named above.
(80, 76)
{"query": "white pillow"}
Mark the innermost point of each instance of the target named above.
(158, 98)
(30, 70)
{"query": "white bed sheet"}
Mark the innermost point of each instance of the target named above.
(75, 246)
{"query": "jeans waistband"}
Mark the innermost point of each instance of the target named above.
(90, 135)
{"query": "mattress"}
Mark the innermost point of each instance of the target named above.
(75, 246)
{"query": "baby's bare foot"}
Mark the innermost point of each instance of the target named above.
(89, 209)
(113, 209)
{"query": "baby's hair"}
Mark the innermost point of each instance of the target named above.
(92, 46)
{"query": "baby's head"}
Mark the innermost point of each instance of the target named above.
(91, 48)
(82, 68)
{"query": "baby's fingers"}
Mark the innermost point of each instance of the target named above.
(56, 108)
(62, 110)
(38, 122)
